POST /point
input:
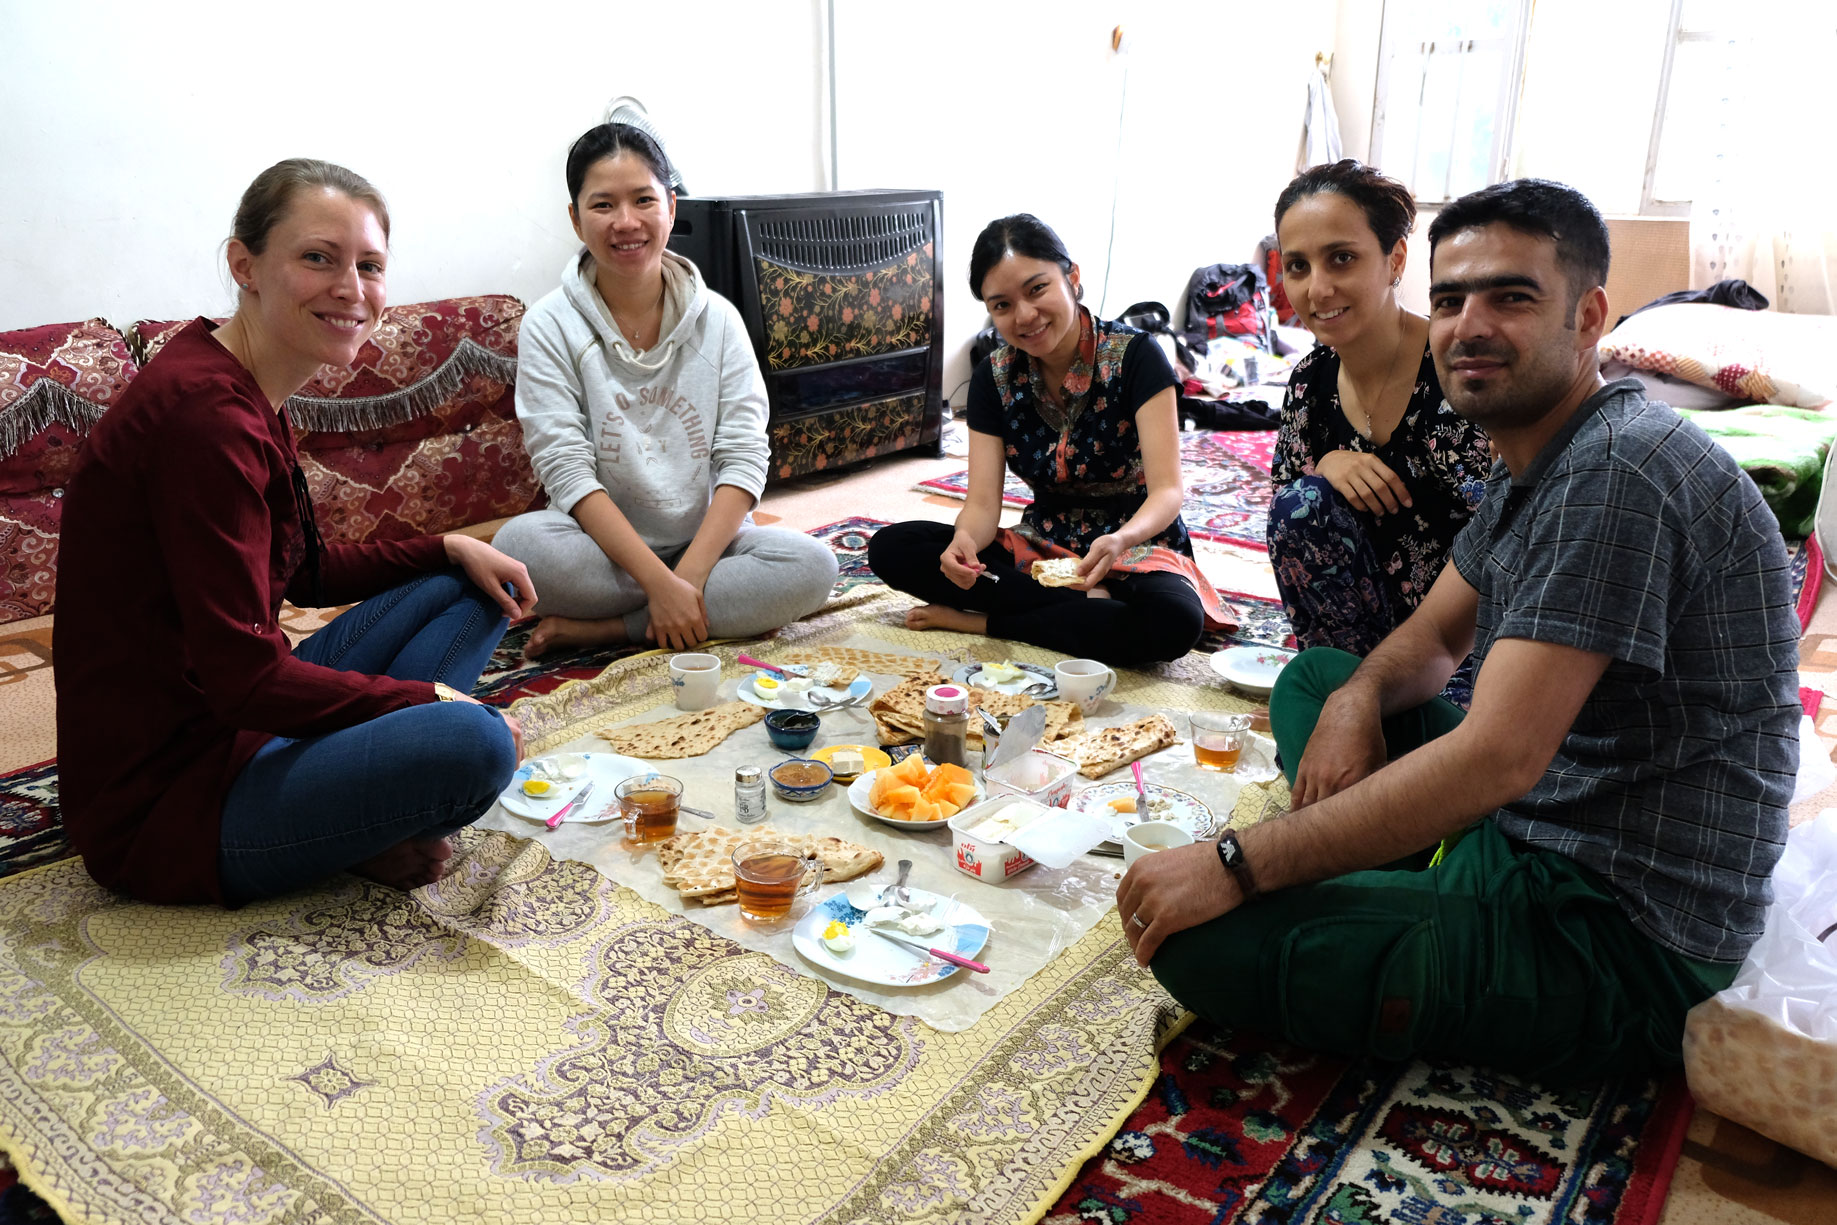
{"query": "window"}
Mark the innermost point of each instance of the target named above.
(1611, 98)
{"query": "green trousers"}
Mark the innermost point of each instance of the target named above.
(1500, 955)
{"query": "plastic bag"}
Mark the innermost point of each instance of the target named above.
(1763, 1052)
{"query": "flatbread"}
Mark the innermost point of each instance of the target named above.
(688, 735)
(699, 865)
(1057, 571)
(862, 661)
(899, 713)
(1101, 752)
(833, 675)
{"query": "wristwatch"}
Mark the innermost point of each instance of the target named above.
(1231, 855)
(446, 692)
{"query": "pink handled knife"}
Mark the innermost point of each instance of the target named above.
(781, 669)
(580, 798)
(954, 958)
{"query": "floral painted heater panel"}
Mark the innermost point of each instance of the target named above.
(817, 317)
(830, 440)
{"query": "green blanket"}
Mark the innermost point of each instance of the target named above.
(1783, 449)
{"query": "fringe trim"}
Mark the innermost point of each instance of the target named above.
(44, 402)
(316, 413)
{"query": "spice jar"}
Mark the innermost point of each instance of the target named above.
(749, 795)
(947, 725)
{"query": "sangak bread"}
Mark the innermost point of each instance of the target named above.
(862, 661)
(1057, 571)
(699, 865)
(899, 713)
(1101, 752)
(688, 735)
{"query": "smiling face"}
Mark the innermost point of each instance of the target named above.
(1336, 275)
(315, 293)
(624, 216)
(1511, 341)
(1034, 304)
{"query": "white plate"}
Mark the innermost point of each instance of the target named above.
(1188, 812)
(864, 783)
(746, 693)
(886, 962)
(1252, 669)
(604, 770)
(972, 675)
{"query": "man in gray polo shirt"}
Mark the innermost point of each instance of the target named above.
(1548, 883)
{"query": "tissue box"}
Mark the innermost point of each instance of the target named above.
(1035, 775)
(990, 861)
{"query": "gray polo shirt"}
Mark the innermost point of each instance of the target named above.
(1635, 535)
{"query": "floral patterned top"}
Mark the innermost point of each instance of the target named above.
(1082, 461)
(1442, 457)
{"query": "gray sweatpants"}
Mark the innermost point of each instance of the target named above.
(768, 576)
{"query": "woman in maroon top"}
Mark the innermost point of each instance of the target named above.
(201, 758)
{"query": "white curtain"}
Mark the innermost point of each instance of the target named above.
(1769, 212)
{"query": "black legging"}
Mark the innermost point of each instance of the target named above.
(1152, 616)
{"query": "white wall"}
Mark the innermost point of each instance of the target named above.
(1015, 108)
(131, 129)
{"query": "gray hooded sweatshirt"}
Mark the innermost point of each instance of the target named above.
(658, 430)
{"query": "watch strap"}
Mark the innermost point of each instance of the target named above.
(1231, 855)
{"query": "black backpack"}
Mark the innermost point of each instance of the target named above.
(1227, 300)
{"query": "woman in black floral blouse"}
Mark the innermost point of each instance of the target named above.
(1084, 411)
(1375, 474)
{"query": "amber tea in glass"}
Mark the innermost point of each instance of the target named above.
(649, 803)
(1218, 739)
(769, 876)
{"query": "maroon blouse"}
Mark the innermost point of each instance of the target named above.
(180, 539)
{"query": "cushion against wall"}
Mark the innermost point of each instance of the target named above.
(55, 381)
(420, 434)
(1764, 356)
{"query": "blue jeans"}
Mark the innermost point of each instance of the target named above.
(304, 809)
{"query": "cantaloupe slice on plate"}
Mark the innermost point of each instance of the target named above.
(911, 770)
(960, 794)
(924, 810)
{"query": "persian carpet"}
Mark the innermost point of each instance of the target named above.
(1227, 485)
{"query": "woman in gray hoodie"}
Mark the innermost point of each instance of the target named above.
(644, 412)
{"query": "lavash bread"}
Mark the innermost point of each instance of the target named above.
(688, 735)
(862, 661)
(833, 675)
(1746, 1066)
(1101, 752)
(899, 713)
(1057, 571)
(699, 865)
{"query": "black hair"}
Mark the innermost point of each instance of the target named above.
(1389, 208)
(1021, 234)
(1542, 208)
(609, 140)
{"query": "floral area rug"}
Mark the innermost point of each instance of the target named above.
(1227, 485)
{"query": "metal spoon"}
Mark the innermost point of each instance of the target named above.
(898, 887)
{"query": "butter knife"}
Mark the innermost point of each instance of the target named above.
(955, 959)
(579, 798)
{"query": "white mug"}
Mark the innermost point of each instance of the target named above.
(695, 677)
(1140, 840)
(1084, 681)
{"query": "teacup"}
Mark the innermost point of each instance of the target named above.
(770, 875)
(695, 677)
(1149, 836)
(1084, 681)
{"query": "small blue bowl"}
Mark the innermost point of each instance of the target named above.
(792, 730)
(801, 793)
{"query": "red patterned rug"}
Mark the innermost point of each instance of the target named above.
(1227, 485)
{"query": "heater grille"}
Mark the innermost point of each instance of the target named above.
(836, 244)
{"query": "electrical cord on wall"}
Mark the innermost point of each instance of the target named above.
(1116, 174)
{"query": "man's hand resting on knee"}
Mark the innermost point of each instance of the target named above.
(1346, 747)
(1170, 891)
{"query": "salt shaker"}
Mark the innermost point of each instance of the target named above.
(947, 725)
(749, 795)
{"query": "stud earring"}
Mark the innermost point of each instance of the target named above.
(1395, 281)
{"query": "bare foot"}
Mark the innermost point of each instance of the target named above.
(1100, 592)
(943, 617)
(408, 864)
(562, 633)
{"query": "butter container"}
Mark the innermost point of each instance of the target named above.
(990, 858)
(1036, 775)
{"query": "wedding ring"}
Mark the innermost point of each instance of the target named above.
(1137, 920)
